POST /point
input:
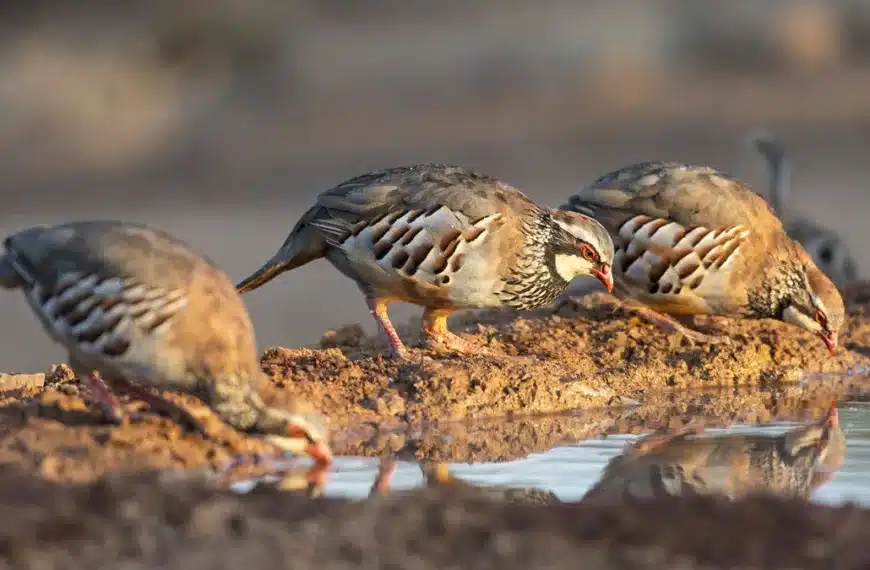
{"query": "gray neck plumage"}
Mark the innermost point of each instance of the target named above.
(533, 281)
(784, 471)
(774, 292)
(239, 405)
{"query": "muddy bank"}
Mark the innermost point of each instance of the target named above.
(156, 522)
(586, 353)
(626, 375)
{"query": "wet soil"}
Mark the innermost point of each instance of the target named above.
(67, 505)
(155, 521)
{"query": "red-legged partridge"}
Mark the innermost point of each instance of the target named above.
(795, 463)
(828, 250)
(693, 241)
(140, 311)
(446, 238)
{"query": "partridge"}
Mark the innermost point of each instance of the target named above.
(795, 463)
(140, 311)
(445, 238)
(692, 241)
(828, 250)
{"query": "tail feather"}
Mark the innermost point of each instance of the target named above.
(773, 151)
(302, 246)
(10, 275)
(272, 269)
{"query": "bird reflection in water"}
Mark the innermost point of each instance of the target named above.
(686, 462)
(436, 474)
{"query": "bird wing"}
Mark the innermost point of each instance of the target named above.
(691, 196)
(679, 229)
(88, 293)
(420, 222)
(470, 195)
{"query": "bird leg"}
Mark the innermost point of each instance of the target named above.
(159, 404)
(668, 323)
(104, 398)
(381, 483)
(439, 336)
(378, 309)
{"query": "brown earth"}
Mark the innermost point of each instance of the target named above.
(624, 376)
(160, 521)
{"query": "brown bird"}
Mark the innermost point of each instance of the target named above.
(437, 474)
(795, 463)
(691, 241)
(828, 250)
(446, 238)
(139, 310)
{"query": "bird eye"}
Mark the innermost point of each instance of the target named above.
(826, 255)
(820, 318)
(588, 253)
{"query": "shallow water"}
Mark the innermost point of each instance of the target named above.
(570, 470)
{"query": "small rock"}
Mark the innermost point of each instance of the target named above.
(59, 374)
(21, 381)
(348, 335)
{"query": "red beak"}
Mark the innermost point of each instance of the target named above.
(605, 276)
(830, 340)
(832, 418)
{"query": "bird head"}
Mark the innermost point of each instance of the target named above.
(823, 441)
(299, 432)
(582, 248)
(818, 308)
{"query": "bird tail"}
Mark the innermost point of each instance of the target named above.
(272, 269)
(10, 275)
(773, 151)
(302, 246)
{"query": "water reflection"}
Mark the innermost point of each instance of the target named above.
(437, 474)
(794, 445)
(686, 462)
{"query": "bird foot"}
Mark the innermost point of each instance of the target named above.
(695, 337)
(399, 353)
(449, 342)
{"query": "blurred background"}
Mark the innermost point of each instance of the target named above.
(220, 120)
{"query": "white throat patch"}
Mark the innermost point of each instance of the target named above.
(570, 266)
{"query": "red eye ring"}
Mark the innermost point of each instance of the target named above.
(820, 318)
(588, 253)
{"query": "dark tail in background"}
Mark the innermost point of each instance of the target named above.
(303, 245)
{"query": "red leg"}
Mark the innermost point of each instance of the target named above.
(378, 309)
(381, 484)
(104, 398)
(160, 404)
(667, 322)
